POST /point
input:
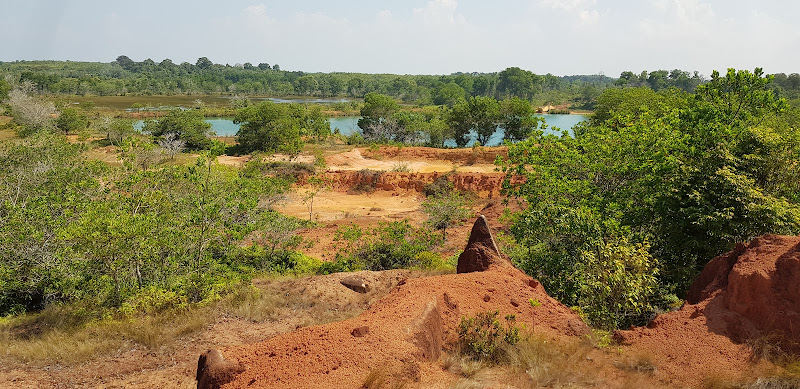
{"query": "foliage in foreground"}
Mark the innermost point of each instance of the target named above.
(75, 230)
(632, 207)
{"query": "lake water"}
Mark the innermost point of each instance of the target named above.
(349, 124)
(303, 101)
(555, 124)
(220, 126)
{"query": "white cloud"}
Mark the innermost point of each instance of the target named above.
(582, 12)
(588, 17)
(437, 12)
(385, 14)
(687, 11)
(256, 17)
(256, 10)
(575, 6)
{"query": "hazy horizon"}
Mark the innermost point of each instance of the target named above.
(561, 37)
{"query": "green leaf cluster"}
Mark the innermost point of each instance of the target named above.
(187, 125)
(71, 120)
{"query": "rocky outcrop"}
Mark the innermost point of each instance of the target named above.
(481, 251)
(748, 296)
(356, 284)
(213, 371)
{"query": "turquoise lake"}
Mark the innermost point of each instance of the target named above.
(348, 125)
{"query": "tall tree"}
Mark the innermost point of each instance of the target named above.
(516, 82)
(480, 114)
(377, 109)
(203, 63)
(518, 119)
(448, 94)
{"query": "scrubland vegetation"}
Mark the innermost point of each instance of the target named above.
(669, 171)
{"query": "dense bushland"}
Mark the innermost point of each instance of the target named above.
(628, 211)
(73, 229)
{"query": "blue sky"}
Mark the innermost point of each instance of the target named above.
(561, 37)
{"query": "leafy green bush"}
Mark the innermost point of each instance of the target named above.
(445, 210)
(390, 245)
(430, 260)
(355, 139)
(484, 338)
(188, 125)
(618, 285)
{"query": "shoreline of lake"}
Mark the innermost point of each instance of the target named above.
(347, 125)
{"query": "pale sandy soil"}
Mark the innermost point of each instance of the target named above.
(354, 160)
(330, 206)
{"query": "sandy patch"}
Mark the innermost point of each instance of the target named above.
(330, 206)
(354, 160)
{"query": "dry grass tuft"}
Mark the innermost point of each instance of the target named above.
(638, 363)
(770, 348)
(250, 303)
(535, 361)
(61, 347)
(384, 377)
(375, 379)
(157, 331)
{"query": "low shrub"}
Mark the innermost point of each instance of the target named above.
(366, 181)
(484, 338)
(441, 185)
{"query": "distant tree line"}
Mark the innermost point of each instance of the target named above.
(124, 76)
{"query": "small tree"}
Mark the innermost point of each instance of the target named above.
(484, 338)
(277, 233)
(618, 284)
(269, 127)
(239, 101)
(118, 130)
(318, 185)
(137, 106)
(172, 144)
(71, 120)
(35, 115)
(187, 125)
(444, 210)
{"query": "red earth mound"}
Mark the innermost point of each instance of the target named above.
(751, 293)
(402, 334)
